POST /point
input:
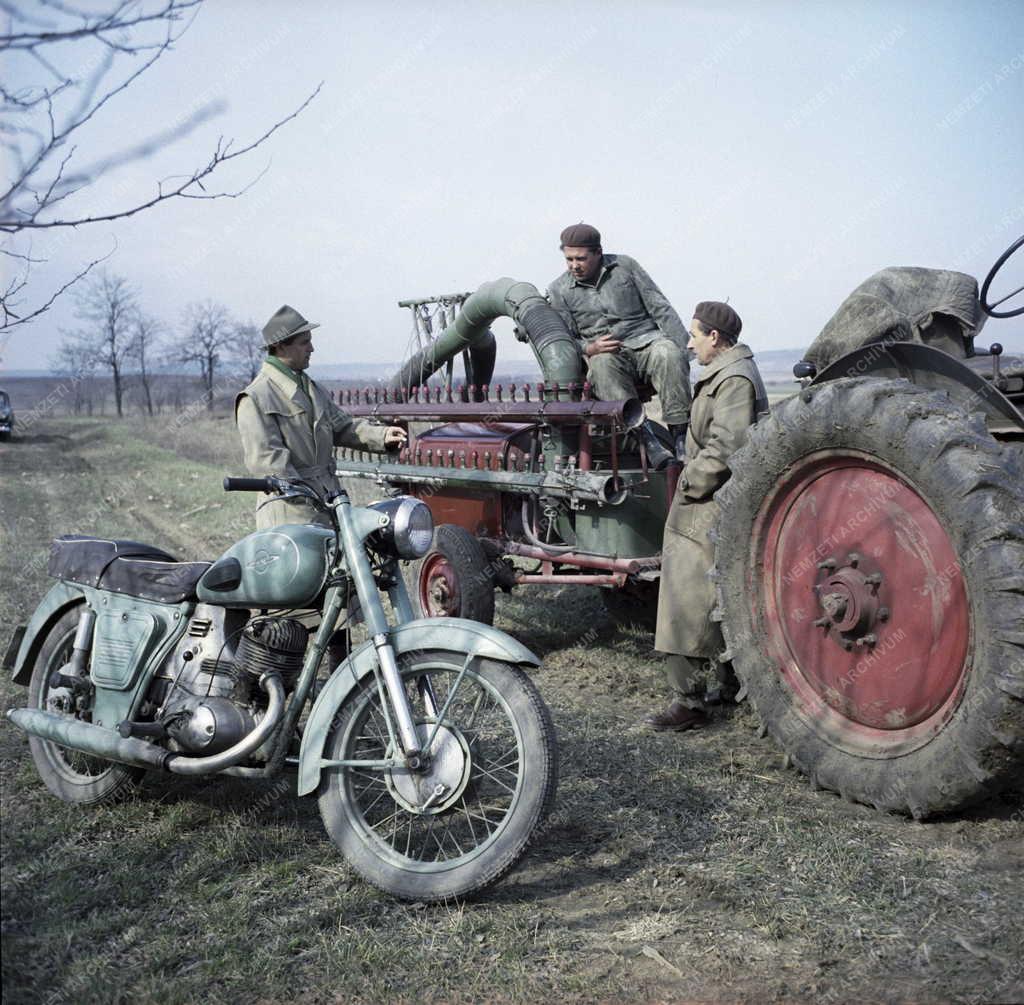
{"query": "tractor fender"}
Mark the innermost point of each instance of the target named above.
(58, 599)
(453, 634)
(930, 368)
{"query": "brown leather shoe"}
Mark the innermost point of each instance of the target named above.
(676, 718)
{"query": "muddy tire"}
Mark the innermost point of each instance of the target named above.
(455, 579)
(494, 764)
(70, 775)
(634, 605)
(870, 574)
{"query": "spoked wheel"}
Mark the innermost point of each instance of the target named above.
(455, 579)
(869, 557)
(462, 823)
(73, 776)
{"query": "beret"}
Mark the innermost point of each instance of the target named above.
(714, 314)
(581, 235)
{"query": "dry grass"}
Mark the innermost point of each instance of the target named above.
(673, 868)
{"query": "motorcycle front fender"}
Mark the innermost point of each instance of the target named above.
(453, 634)
(58, 599)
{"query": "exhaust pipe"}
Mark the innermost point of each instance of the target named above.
(182, 764)
(111, 746)
(89, 739)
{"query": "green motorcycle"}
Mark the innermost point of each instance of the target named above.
(430, 749)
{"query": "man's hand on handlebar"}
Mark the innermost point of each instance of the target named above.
(395, 436)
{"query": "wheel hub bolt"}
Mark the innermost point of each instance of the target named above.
(827, 565)
(853, 559)
(823, 623)
(846, 644)
(883, 613)
(867, 640)
(875, 579)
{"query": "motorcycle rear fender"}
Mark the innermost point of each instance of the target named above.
(453, 634)
(58, 599)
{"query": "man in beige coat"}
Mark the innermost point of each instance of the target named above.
(729, 396)
(289, 426)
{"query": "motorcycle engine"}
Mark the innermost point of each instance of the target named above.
(206, 689)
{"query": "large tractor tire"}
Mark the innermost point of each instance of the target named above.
(870, 573)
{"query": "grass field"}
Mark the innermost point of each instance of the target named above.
(682, 868)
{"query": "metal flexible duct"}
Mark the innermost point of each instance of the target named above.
(556, 350)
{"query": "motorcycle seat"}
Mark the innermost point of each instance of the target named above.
(128, 567)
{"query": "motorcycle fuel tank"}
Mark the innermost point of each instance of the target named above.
(282, 567)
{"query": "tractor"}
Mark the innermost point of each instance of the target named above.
(870, 546)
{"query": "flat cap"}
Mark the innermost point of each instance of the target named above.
(581, 235)
(285, 323)
(714, 314)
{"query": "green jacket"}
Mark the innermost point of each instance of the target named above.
(624, 302)
(287, 433)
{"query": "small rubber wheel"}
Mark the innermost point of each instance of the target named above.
(455, 579)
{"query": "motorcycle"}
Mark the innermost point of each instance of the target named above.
(432, 754)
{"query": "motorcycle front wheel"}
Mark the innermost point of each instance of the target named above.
(459, 825)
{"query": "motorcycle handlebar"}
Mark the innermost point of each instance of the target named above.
(249, 485)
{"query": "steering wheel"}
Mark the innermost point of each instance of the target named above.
(990, 309)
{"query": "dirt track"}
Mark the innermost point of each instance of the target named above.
(674, 868)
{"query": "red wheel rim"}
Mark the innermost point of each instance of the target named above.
(867, 611)
(438, 586)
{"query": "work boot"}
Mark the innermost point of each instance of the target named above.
(676, 718)
(678, 433)
(657, 456)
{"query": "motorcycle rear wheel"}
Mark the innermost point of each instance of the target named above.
(69, 774)
(495, 755)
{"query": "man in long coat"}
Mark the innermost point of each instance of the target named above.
(289, 426)
(729, 397)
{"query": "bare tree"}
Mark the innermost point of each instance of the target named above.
(76, 377)
(108, 306)
(247, 349)
(40, 123)
(208, 329)
(143, 348)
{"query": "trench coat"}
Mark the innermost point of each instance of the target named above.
(287, 433)
(728, 398)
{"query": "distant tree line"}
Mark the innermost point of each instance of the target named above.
(118, 341)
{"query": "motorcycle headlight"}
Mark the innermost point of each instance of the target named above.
(411, 530)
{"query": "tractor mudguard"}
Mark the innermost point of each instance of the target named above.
(930, 368)
(58, 599)
(455, 634)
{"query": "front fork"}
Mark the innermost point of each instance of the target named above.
(389, 679)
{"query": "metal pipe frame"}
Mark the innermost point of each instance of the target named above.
(590, 486)
(577, 579)
(628, 414)
(627, 566)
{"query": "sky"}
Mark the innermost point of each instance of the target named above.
(772, 153)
